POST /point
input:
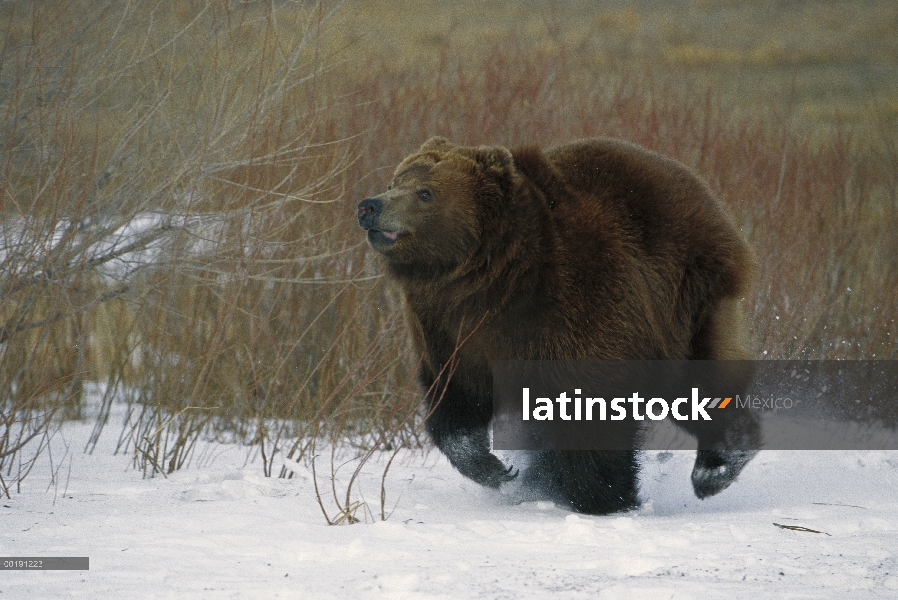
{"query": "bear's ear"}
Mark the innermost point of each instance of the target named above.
(495, 162)
(435, 144)
(493, 158)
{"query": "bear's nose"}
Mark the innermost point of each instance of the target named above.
(369, 208)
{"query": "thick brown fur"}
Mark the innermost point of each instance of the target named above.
(598, 249)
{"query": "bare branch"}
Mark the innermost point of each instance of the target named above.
(8, 330)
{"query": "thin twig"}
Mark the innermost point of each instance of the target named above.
(800, 528)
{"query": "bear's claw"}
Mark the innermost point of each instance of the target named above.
(508, 475)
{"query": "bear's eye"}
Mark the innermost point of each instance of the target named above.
(425, 195)
(389, 187)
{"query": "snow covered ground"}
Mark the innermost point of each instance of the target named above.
(221, 530)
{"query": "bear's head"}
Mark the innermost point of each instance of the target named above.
(438, 207)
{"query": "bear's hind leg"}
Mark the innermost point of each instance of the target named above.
(721, 335)
(723, 451)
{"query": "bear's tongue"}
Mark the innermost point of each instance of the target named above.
(390, 234)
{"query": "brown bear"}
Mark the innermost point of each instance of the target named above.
(598, 249)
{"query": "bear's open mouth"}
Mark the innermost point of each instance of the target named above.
(390, 235)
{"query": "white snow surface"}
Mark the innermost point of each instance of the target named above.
(219, 529)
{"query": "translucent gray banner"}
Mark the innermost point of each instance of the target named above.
(605, 405)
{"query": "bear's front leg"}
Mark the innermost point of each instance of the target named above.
(458, 423)
(469, 452)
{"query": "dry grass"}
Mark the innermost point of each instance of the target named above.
(833, 62)
(178, 187)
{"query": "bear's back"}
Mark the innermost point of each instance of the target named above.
(653, 206)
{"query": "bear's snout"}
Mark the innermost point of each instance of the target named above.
(369, 208)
